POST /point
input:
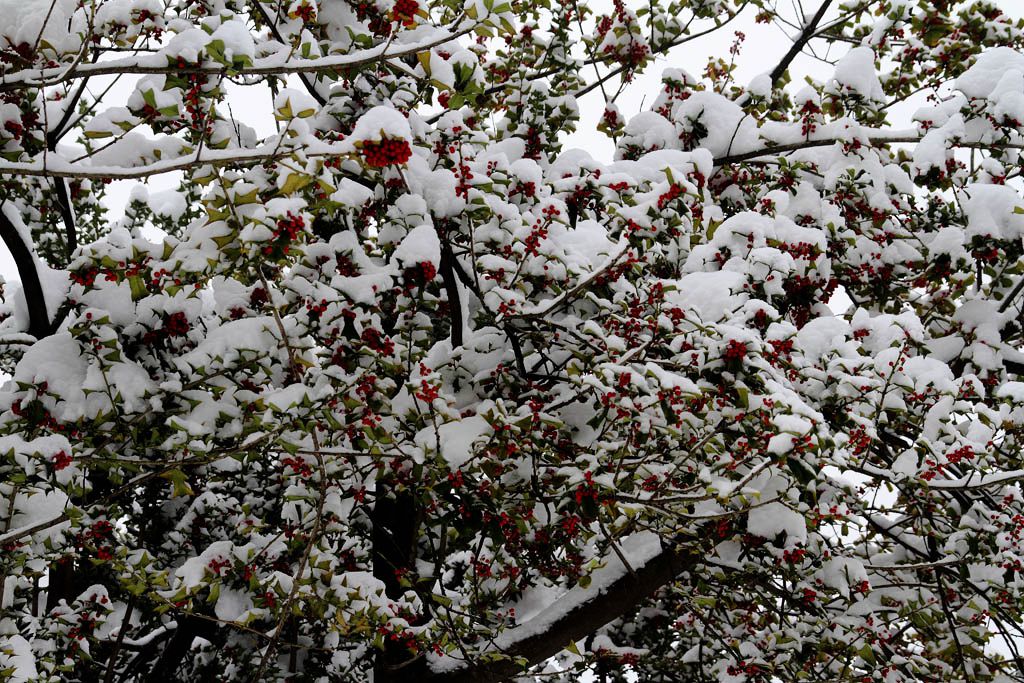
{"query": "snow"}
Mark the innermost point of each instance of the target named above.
(983, 319)
(760, 85)
(821, 335)
(440, 71)
(672, 380)
(793, 424)
(583, 247)
(436, 186)
(856, 74)
(57, 361)
(128, 381)
(16, 655)
(651, 130)
(194, 570)
(842, 573)
(931, 151)
(28, 21)
(287, 397)
(852, 367)
(728, 129)
(1007, 97)
(1013, 391)
(410, 42)
(906, 465)
(949, 240)
(351, 194)
(237, 40)
(188, 44)
(457, 439)
(990, 212)
(639, 548)
(291, 102)
(981, 79)
(228, 341)
(167, 204)
(381, 122)
(34, 506)
(53, 282)
(421, 244)
(780, 444)
(711, 295)
(772, 519)
(232, 604)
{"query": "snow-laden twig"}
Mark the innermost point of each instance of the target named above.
(266, 66)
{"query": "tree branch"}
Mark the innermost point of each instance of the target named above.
(258, 155)
(451, 288)
(660, 49)
(799, 43)
(156, 64)
(39, 324)
(212, 157)
(67, 214)
(619, 598)
(808, 144)
(395, 520)
(310, 86)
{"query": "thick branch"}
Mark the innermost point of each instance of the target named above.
(880, 139)
(67, 214)
(799, 43)
(269, 66)
(174, 653)
(618, 599)
(395, 520)
(229, 157)
(211, 157)
(451, 288)
(31, 287)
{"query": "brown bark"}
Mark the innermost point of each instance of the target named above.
(619, 599)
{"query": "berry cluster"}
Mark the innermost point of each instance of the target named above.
(346, 267)
(405, 11)
(419, 275)
(174, 325)
(305, 11)
(61, 460)
(98, 535)
(14, 128)
(674, 191)
(387, 152)
(735, 352)
(289, 227)
(377, 22)
(377, 341)
(286, 231)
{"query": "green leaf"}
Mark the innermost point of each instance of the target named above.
(179, 483)
(294, 182)
(138, 287)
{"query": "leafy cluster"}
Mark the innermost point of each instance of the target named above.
(408, 389)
